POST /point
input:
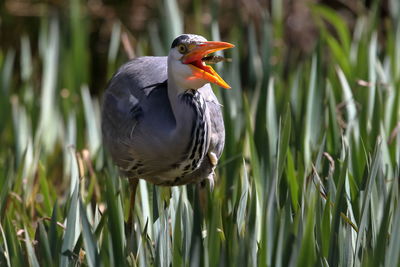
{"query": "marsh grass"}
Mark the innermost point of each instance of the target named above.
(309, 174)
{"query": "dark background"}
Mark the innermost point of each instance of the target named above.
(22, 17)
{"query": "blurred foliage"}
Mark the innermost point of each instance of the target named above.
(310, 170)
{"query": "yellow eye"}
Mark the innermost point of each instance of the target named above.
(182, 48)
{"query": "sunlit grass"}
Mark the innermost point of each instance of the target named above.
(309, 174)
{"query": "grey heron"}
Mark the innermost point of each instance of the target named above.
(160, 118)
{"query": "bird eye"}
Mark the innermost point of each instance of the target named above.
(182, 48)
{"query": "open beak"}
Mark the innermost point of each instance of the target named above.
(200, 70)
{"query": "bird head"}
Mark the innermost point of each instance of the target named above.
(186, 61)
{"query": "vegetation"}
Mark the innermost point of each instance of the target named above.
(309, 174)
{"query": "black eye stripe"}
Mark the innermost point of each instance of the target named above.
(186, 39)
(179, 40)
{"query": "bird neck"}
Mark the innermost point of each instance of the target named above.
(192, 123)
(180, 108)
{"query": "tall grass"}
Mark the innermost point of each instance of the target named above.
(309, 174)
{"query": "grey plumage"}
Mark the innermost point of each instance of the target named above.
(151, 138)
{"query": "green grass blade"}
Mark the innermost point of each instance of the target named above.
(72, 230)
(241, 209)
(48, 111)
(92, 117)
(88, 238)
(393, 251)
(375, 163)
(6, 251)
(30, 251)
(115, 223)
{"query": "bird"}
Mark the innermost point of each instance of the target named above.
(161, 121)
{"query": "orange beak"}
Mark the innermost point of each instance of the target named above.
(199, 69)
